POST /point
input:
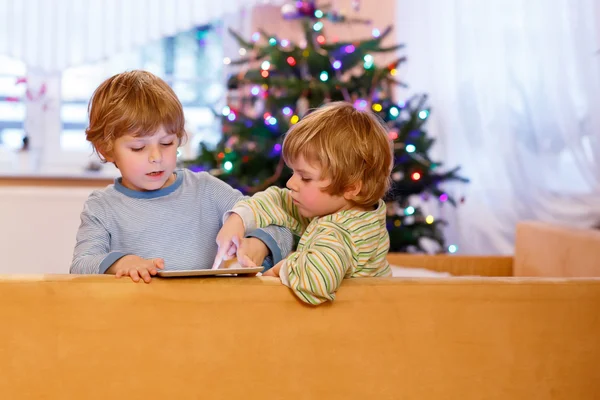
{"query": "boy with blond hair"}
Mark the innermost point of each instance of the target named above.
(155, 216)
(341, 160)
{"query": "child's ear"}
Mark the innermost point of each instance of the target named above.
(353, 190)
(105, 155)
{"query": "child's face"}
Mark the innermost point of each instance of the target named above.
(306, 185)
(148, 162)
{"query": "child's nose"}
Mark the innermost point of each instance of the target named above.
(155, 156)
(290, 184)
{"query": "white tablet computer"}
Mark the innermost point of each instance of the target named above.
(209, 272)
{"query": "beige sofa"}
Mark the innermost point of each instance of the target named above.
(541, 250)
(96, 337)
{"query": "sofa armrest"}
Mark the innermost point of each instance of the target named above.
(546, 250)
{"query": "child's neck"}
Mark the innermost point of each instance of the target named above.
(353, 207)
(363, 208)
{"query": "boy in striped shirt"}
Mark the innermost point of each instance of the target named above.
(341, 160)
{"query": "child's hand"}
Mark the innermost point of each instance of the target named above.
(252, 252)
(228, 239)
(275, 270)
(136, 267)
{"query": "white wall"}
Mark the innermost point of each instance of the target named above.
(381, 13)
(38, 227)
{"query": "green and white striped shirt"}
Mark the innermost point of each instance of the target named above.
(347, 244)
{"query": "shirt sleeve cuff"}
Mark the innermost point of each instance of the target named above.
(283, 274)
(109, 260)
(270, 243)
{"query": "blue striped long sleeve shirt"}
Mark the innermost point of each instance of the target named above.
(178, 223)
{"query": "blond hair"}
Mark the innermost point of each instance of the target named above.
(133, 103)
(350, 146)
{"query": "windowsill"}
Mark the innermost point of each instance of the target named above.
(20, 169)
(11, 174)
(55, 181)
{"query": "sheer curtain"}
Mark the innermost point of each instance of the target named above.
(514, 86)
(51, 35)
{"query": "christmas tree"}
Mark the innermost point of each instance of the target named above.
(279, 82)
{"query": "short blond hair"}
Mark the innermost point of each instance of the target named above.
(350, 147)
(133, 103)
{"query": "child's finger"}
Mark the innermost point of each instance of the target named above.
(269, 273)
(246, 261)
(236, 241)
(220, 256)
(155, 264)
(134, 275)
(232, 249)
(145, 276)
(158, 263)
(231, 252)
(122, 272)
(152, 269)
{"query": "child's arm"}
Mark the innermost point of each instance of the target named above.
(274, 206)
(278, 241)
(92, 253)
(316, 272)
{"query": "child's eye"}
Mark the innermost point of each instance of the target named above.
(306, 179)
(167, 144)
(136, 149)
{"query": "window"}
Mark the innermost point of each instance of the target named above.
(191, 62)
(12, 105)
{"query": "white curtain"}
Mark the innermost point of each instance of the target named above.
(515, 91)
(51, 35)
